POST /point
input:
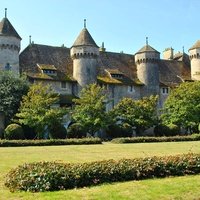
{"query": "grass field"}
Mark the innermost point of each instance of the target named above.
(168, 188)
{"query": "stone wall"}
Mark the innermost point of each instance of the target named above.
(195, 63)
(9, 53)
(85, 71)
(148, 73)
(162, 97)
(56, 86)
(118, 92)
(85, 64)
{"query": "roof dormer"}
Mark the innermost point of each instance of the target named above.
(47, 69)
(115, 73)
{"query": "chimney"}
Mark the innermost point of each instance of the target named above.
(168, 54)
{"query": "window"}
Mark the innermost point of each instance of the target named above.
(88, 71)
(116, 76)
(130, 88)
(63, 85)
(8, 67)
(165, 90)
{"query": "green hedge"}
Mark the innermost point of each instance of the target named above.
(50, 142)
(52, 176)
(194, 137)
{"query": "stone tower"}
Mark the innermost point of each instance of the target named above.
(146, 60)
(9, 46)
(194, 53)
(84, 53)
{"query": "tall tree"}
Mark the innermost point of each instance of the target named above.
(12, 88)
(140, 114)
(182, 107)
(90, 110)
(36, 108)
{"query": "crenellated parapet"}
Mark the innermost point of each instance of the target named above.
(146, 60)
(10, 46)
(194, 55)
(86, 52)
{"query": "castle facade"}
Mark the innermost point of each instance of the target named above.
(68, 70)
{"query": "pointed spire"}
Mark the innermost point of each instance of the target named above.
(5, 12)
(146, 40)
(84, 23)
(183, 49)
(84, 39)
(30, 39)
(102, 45)
(196, 45)
(7, 29)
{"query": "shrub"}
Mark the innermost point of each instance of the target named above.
(76, 131)
(113, 131)
(173, 130)
(52, 176)
(1, 133)
(14, 132)
(194, 137)
(119, 130)
(161, 130)
(29, 132)
(126, 130)
(19, 143)
(164, 130)
(57, 131)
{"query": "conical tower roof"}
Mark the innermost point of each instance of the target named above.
(196, 45)
(84, 39)
(147, 48)
(7, 29)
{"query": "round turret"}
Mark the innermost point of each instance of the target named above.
(194, 53)
(9, 46)
(84, 53)
(146, 60)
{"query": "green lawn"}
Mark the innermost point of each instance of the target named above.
(168, 188)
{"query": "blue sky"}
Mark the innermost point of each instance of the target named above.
(121, 24)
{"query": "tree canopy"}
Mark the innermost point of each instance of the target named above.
(182, 107)
(36, 108)
(12, 89)
(90, 110)
(140, 114)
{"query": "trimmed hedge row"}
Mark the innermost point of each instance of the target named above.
(52, 176)
(51, 142)
(194, 137)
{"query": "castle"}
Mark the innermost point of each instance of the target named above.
(67, 70)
